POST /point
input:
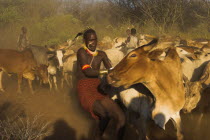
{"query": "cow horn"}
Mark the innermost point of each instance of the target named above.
(155, 54)
(185, 78)
(33, 68)
(204, 77)
(150, 45)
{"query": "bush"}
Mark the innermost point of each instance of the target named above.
(23, 128)
(55, 30)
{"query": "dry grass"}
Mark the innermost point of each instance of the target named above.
(23, 128)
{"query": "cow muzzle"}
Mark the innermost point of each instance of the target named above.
(111, 78)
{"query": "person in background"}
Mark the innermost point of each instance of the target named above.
(23, 41)
(128, 32)
(132, 41)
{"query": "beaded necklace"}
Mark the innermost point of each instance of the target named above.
(90, 52)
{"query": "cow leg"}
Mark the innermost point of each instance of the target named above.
(55, 82)
(70, 80)
(177, 123)
(40, 82)
(200, 118)
(20, 78)
(141, 125)
(30, 86)
(199, 122)
(1, 86)
(62, 80)
(50, 81)
(66, 75)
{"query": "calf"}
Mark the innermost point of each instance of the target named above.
(53, 64)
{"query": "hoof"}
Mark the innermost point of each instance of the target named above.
(57, 90)
(32, 92)
(180, 137)
(52, 91)
(147, 138)
(2, 90)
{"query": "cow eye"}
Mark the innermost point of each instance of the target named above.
(133, 55)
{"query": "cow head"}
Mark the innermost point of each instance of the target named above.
(59, 55)
(193, 91)
(42, 73)
(134, 68)
(192, 96)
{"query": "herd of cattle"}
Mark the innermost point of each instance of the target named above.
(175, 74)
(175, 71)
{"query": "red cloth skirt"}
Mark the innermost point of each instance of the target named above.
(88, 93)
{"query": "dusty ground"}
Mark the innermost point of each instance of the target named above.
(67, 119)
(60, 109)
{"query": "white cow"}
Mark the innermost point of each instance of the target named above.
(66, 59)
(114, 55)
(52, 72)
(119, 41)
(68, 69)
(59, 55)
(52, 66)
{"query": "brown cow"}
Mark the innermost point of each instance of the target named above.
(42, 73)
(195, 89)
(198, 42)
(162, 78)
(21, 63)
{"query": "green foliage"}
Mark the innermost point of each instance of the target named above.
(9, 15)
(54, 21)
(55, 30)
(199, 32)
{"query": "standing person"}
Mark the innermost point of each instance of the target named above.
(128, 32)
(132, 41)
(23, 41)
(98, 105)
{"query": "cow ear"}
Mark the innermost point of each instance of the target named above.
(155, 54)
(205, 74)
(172, 54)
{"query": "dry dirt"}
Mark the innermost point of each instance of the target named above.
(68, 121)
(61, 109)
